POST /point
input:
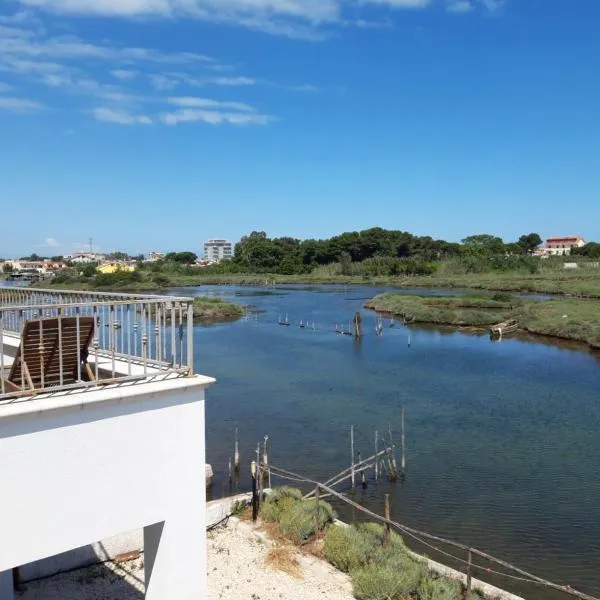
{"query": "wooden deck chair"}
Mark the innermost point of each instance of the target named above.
(36, 369)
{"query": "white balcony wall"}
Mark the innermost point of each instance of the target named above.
(81, 467)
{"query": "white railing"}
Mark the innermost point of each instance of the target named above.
(133, 337)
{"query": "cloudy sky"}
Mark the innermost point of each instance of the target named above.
(154, 124)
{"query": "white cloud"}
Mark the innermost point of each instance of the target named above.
(50, 243)
(400, 3)
(123, 74)
(121, 117)
(307, 87)
(307, 19)
(232, 81)
(26, 43)
(163, 83)
(492, 5)
(5, 87)
(193, 102)
(214, 117)
(19, 105)
(459, 6)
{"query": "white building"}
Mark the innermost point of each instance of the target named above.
(562, 246)
(85, 257)
(217, 250)
(102, 433)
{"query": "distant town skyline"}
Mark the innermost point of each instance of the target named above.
(161, 124)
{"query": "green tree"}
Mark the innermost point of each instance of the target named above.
(7, 268)
(483, 244)
(89, 270)
(528, 243)
(590, 250)
(346, 263)
(182, 258)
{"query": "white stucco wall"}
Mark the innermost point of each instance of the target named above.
(83, 467)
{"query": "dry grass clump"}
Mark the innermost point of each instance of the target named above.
(283, 558)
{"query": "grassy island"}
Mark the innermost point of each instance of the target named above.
(569, 319)
(213, 310)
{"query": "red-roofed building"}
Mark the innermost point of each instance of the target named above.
(562, 246)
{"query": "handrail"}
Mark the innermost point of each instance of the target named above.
(134, 335)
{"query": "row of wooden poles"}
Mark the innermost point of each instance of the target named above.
(382, 461)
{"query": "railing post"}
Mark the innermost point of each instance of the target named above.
(253, 473)
(386, 526)
(469, 571)
(2, 390)
(190, 339)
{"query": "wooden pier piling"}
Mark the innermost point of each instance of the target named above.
(236, 453)
(376, 455)
(353, 475)
(402, 449)
(386, 526)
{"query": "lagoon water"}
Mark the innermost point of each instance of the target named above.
(503, 445)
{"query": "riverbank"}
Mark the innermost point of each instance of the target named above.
(568, 319)
(583, 283)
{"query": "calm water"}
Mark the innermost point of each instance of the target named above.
(502, 438)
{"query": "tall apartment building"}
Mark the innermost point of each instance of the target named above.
(217, 250)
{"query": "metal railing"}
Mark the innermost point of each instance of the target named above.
(133, 337)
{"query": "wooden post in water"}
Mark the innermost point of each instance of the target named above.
(357, 325)
(402, 447)
(254, 491)
(376, 455)
(392, 457)
(236, 453)
(259, 473)
(386, 526)
(469, 572)
(363, 481)
(267, 471)
(352, 456)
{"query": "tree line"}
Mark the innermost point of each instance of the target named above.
(378, 251)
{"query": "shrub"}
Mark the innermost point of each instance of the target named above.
(349, 548)
(432, 588)
(386, 582)
(300, 520)
(161, 280)
(278, 501)
(346, 548)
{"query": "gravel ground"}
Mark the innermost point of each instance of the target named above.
(243, 564)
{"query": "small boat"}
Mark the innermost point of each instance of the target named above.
(504, 328)
(302, 325)
(286, 322)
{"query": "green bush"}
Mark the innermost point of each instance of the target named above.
(349, 548)
(346, 548)
(278, 501)
(432, 588)
(385, 581)
(300, 520)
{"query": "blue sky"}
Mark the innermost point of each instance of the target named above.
(155, 124)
